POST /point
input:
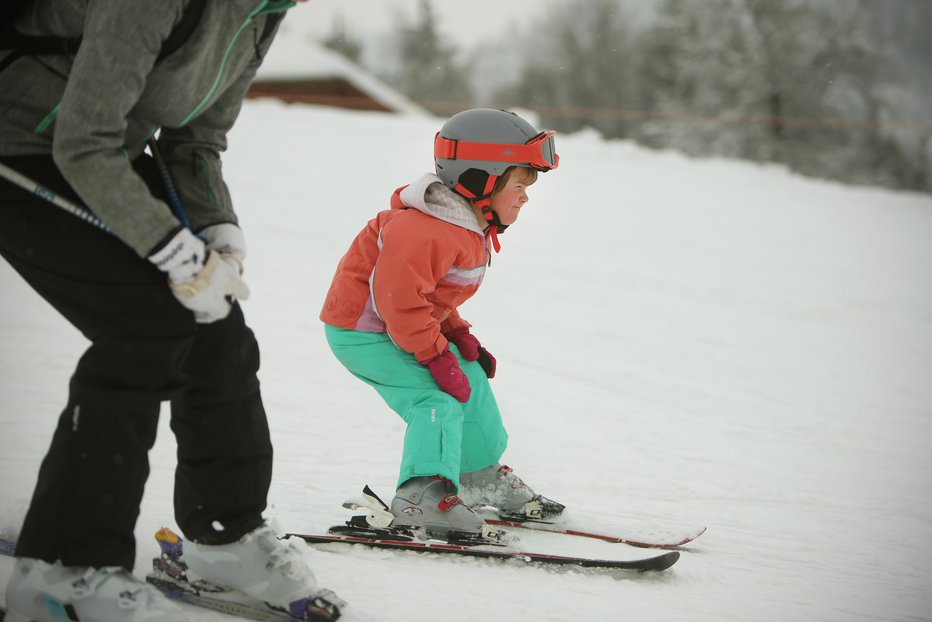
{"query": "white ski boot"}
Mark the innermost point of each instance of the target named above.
(268, 569)
(43, 592)
(430, 503)
(497, 486)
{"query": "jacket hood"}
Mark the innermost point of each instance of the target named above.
(430, 195)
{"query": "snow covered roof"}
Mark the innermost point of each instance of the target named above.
(294, 56)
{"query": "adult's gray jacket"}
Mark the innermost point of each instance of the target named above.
(95, 111)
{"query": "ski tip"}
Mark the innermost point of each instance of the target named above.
(662, 562)
(670, 545)
(695, 535)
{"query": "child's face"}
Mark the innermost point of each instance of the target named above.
(508, 201)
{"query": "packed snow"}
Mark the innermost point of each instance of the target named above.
(680, 342)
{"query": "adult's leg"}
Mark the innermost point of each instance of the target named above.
(224, 451)
(87, 497)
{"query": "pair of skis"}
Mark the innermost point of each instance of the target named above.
(169, 576)
(374, 531)
(169, 572)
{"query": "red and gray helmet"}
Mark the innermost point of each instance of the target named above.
(475, 147)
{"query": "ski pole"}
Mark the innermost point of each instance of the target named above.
(52, 197)
(173, 199)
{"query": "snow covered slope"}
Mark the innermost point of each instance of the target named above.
(680, 342)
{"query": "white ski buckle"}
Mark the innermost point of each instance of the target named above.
(533, 509)
(491, 533)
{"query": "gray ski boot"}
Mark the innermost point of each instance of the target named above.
(497, 486)
(430, 503)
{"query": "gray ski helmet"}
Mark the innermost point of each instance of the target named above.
(468, 157)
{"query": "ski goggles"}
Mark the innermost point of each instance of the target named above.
(539, 153)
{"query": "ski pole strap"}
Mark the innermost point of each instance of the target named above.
(52, 197)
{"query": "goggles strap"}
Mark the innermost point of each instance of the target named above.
(530, 152)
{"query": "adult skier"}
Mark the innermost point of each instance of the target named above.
(156, 294)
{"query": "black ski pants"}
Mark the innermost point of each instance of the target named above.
(145, 349)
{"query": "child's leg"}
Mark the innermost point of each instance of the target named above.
(484, 436)
(434, 435)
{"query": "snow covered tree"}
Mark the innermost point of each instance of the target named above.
(794, 82)
(340, 40)
(807, 83)
(579, 59)
(701, 75)
(429, 71)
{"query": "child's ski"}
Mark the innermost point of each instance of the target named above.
(400, 539)
(638, 541)
(377, 508)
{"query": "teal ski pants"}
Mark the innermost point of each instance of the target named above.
(444, 436)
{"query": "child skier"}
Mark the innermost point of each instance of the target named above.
(391, 319)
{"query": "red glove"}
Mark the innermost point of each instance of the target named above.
(450, 378)
(471, 350)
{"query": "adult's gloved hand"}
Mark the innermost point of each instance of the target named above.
(472, 350)
(227, 239)
(204, 281)
(449, 377)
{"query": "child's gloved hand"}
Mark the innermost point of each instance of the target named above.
(449, 377)
(472, 350)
